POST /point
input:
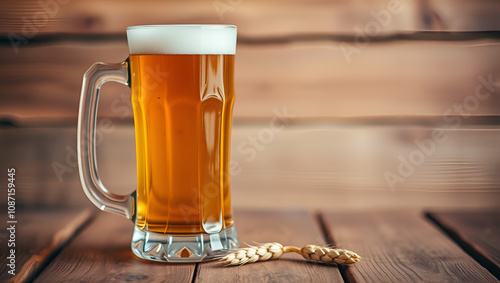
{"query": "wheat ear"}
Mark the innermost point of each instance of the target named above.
(275, 250)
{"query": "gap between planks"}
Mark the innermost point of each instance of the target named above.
(37, 263)
(464, 243)
(195, 272)
(493, 35)
(327, 235)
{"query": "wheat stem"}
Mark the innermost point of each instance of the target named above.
(275, 250)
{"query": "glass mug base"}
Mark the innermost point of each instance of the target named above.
(183, 248)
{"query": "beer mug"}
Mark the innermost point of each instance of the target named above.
(182, 92)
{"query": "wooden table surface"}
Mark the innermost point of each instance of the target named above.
(395, 245)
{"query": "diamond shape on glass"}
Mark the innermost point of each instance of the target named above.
(184, 253)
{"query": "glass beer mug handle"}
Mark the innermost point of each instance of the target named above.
(93, 79)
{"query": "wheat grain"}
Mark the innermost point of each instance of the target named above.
(275, 250)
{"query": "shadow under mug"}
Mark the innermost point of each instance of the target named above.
(182, 91)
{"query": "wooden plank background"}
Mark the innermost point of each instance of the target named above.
(310, 79)
(256, 17)
(353, 116)
(289, 54)
(307, 165)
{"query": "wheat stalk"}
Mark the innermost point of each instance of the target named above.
(275, 250)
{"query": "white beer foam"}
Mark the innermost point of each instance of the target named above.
(182, 39)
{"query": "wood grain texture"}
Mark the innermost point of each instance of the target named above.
(286, 227)
(306, 165)
(39, 236)
(257, 17)
(477, 232)
(101, 253)
(463, 15)
(401, 246)
(311, 79)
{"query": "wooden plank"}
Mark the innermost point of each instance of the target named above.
(274, 17)
(463, 15)
(477, 232)
(401, 246)
(306, 165)
(46, 165)
(101, 253)
(39, 236)
(312, 79)
(286, 227)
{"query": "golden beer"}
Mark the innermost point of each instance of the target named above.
(182, 110)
